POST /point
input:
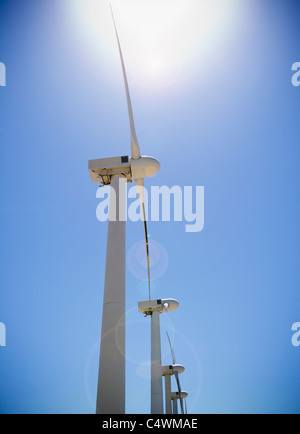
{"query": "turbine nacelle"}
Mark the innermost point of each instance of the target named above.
(171, 369)
(160, 306)
(102, 170)
(176, 395)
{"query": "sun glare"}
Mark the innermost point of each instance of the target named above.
(158, 37)
(155, 65)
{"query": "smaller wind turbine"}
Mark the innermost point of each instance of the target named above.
(154, 308)
(176, 374)
(175, 397)
(168, 372)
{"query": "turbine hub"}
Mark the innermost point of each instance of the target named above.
(144, 167)
(171, 369)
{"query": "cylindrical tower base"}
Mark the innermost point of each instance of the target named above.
(111, 381)
(156, 368)
(168, 394)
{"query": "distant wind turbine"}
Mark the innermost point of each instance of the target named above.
(168, 372)
(116, 171)
(176, 372)
(155, 308)
(175, 397)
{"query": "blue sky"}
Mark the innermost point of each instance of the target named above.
(227, 120)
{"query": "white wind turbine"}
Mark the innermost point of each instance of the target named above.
(176, 397)
(168, 372)
(116, 171)
(176, 370)
(154, 308)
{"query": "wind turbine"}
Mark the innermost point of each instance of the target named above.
(116, 171)
(176, 374)
(175, 397)
(154, 308)
(168, 372)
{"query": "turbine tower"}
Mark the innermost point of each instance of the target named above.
(116, 171)
(168, 372)
(154, 308)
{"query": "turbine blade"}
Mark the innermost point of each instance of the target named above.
(135, 149)
(140, 189)
(179, 391)
(172, 352)
(176, 375)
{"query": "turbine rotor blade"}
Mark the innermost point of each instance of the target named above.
(172, 352)
(135, 149)
(140, 190)
(176, 374)
(179, 391)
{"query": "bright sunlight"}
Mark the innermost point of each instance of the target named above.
(158, 37)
